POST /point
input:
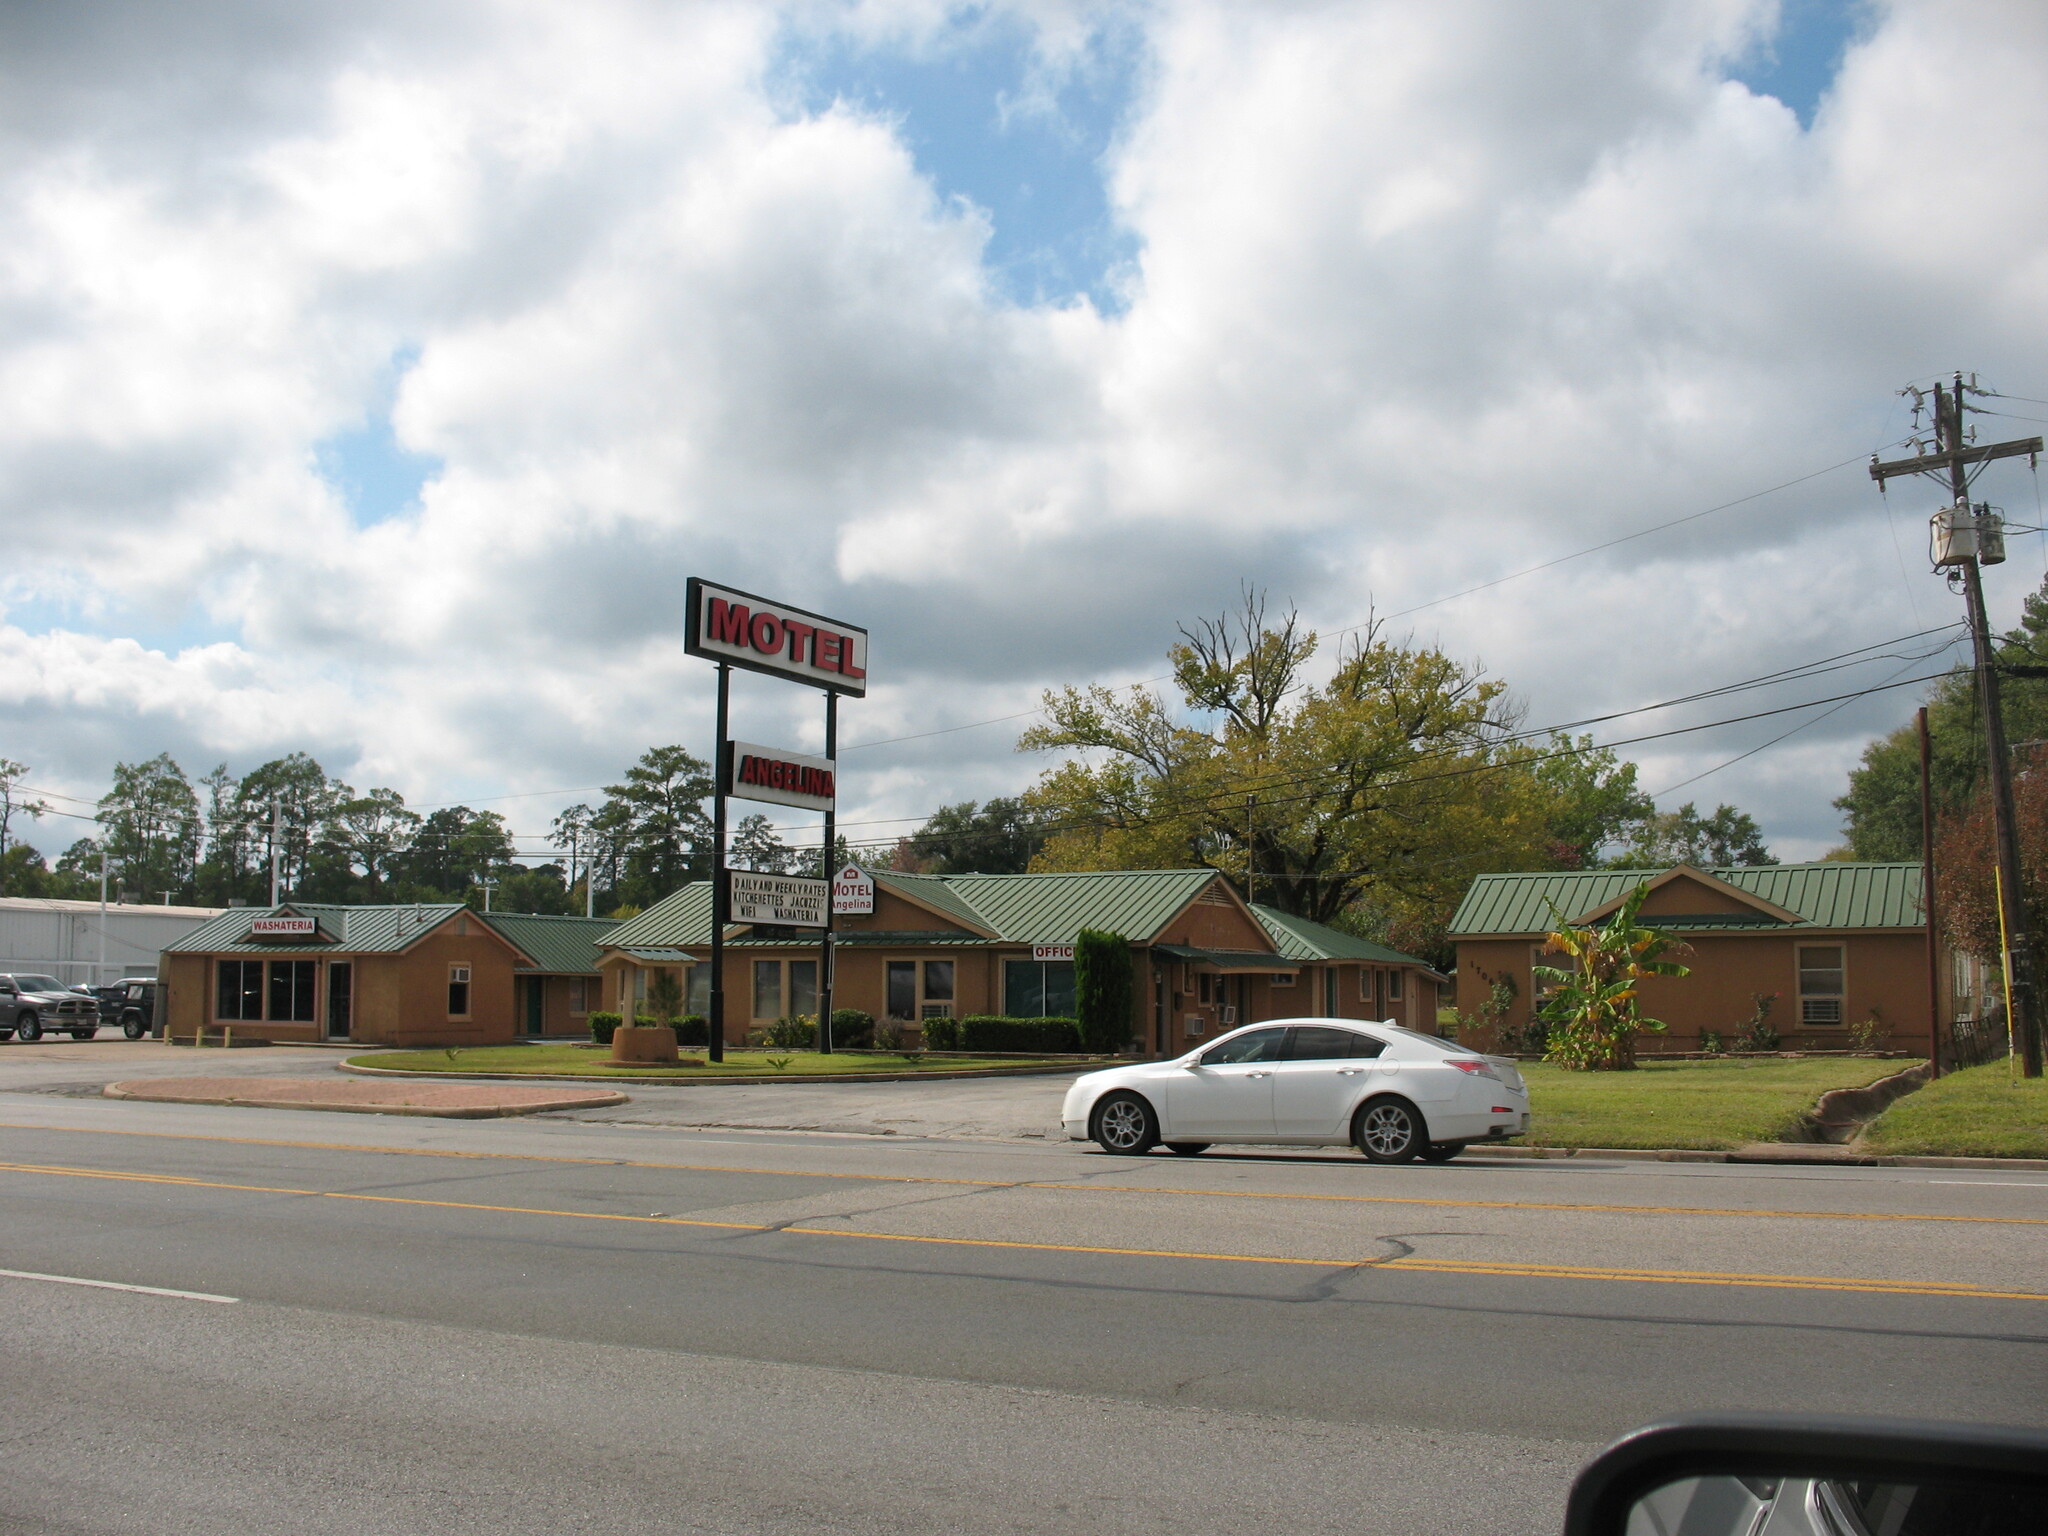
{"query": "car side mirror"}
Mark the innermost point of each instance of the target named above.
(1189, 1063)
(1729, 1475)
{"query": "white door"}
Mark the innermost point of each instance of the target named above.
(1228, 1093)
(1320, 1080)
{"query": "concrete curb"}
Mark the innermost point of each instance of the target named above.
(1808, 1154)
(454, 1112)
(679, 1079)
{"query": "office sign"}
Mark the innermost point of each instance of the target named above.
(766, 636)
(853, 890)
(283, 928)
(785, 899)
(782, 778)
(1052, 951)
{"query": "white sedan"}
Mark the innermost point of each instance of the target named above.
(1391, 1092)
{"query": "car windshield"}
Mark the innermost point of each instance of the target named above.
(39, 984)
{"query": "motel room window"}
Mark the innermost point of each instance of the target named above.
(579, 1001)
(1044, 989)
(1820, 984)
(1281, 979)
(1393, 986)
(1960, 984)
(1203, 985)
(902, 995)
(458, 991)
(803, 988)
(767, 989)
(1365, 981)
(699, 992)
(291, 990)
(240, 993)
(938, 990)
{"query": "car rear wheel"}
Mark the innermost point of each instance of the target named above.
(1187, 1148)
(1442, 1151)
(1125, 1125)
(29, 1027)
(1389, 1131)
(134, 1028)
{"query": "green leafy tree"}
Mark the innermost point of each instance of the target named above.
(1102, 989)
(77, 874)
(1000, 837)
(454, 849)
(1594, 800)
(304, 798)
(754, 845)
(657, 823)
(542, 888)
(14, 802)
(152, 828)
(1684, 836)
(1593, 1009)
(1381, 792)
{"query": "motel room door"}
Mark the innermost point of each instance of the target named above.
(340, 998)
(536, 997)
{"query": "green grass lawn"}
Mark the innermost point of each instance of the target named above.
(584, 1061)
(1703, 1105)
(1979, 1112)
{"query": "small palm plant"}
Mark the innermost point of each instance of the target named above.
(1593, 1008)
(665, 998)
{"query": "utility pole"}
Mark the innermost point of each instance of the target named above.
(276, 844)
(1927, 900)
(1965, 528)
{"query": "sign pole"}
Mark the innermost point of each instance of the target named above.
(715, 1033)
(829, 868)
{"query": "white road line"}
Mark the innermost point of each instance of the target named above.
(1995, 1183)
(114, 1285)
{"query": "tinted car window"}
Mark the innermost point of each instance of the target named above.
(1321, 1042)
(39, 984)
(1258, 1045)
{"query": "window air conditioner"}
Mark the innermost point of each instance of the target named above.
(936, 1011)
(1194, 1025)
(1229, 1013)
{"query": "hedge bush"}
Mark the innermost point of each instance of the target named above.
(602, 1027)
(941, 1034)
(1102, 989)
(693, 1029)
(985, 1032)
(852, 1028)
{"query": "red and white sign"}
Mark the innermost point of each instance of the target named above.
(782, 778)
(282, 928)
(764, 636)
(853, 890)
(1052, 951)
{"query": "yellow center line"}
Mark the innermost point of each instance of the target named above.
(1080, 1188)
(1436, 1266)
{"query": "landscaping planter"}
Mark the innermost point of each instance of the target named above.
(642, 1042)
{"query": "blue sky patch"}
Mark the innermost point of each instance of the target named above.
(986, 120)
(1798, 62)
(376, 477)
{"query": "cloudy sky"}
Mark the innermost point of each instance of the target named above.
(375, 373)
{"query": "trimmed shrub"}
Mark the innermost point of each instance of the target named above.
(1102, 989)
(852, 1028)
(602, 1026)
(993, 1033)
(942, 1034)
(792, 1032)
(693, 1029)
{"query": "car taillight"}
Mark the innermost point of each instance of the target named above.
(1473, 1065)
(1502, 1109)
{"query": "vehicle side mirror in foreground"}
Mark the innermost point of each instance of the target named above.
(1782, 1475)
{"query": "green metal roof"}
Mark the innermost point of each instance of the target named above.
(1231, 959)
(358, 930)
(557, 945)
(1017, 909)
(1299, 939)
(683, 918)
(1831, 894)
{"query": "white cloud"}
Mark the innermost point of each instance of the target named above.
(1426, 294)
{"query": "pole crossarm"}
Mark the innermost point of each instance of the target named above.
(1882, 470)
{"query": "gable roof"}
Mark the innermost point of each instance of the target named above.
(1300, 939)
(1687, 874)
(1831, 894)
(360, 930)
(1013, 909)
(556, 945)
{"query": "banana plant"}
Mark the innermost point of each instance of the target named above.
(1593, 1007)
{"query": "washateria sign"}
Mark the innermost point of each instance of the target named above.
(787, 899)
(283, 928)
(763, 636)
(782, 778)
(853, 890)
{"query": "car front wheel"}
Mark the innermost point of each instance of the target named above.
(1125, 1125)
(29, 1027)
(134, 1029)
(1389, 1131)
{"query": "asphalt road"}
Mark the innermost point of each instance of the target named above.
(516, 1326)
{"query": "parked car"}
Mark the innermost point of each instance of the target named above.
(1391, 1092)
(31, 1004)
(130, 1003)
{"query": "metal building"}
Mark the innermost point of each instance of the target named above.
(81, 941)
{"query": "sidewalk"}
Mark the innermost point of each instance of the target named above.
(455, 1101)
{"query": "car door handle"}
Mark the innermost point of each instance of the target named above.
(1258, 1074)
(1351, 1071)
